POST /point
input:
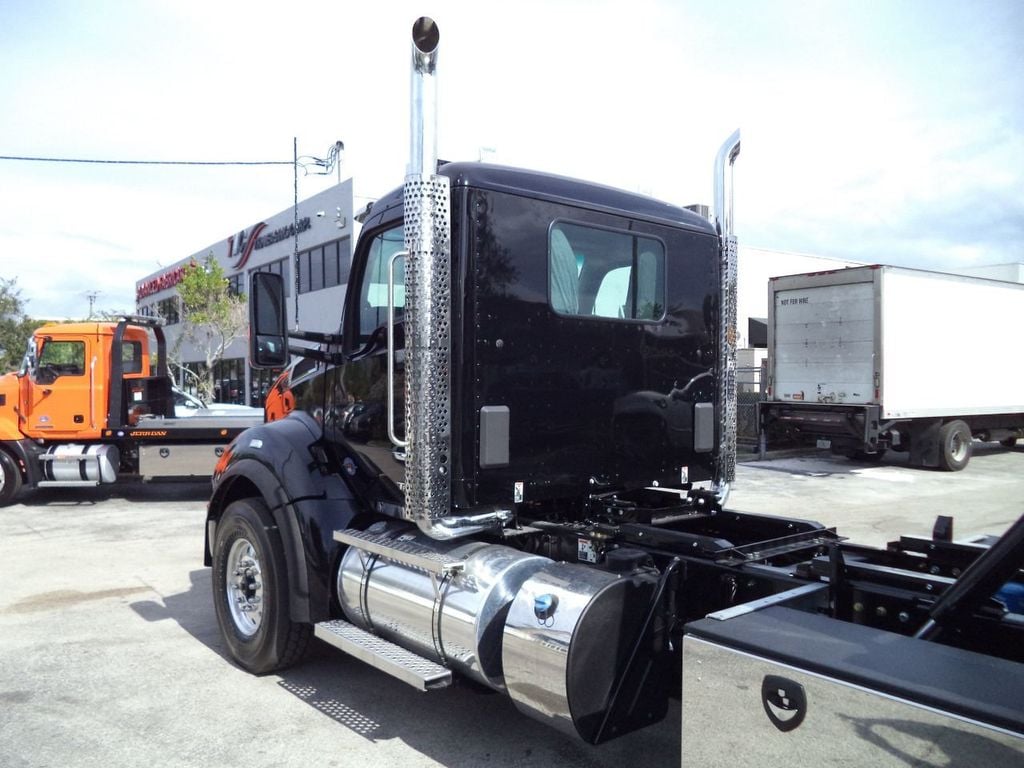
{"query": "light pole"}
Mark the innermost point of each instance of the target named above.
(91, 296)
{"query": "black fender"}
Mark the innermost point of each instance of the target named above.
(285, 462)
(26, 456)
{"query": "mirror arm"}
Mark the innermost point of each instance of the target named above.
(315, 336)
(334, 358)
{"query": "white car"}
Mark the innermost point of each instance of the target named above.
(186, 405)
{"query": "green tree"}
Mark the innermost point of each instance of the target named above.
(15, 326)
(212, 316)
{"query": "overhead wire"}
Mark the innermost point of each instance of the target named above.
(24, 158)
(310, 166)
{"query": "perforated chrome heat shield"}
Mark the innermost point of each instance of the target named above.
(427, 347)
(727, 377)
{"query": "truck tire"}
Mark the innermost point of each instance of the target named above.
(1008, 442)
(250, 591)
(954, 446)
(10, 478)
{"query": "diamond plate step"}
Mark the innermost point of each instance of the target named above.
(405, 665)
(67, 483)
(408, 552)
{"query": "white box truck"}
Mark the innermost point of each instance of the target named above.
(866, 359)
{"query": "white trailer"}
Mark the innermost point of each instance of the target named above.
(866, 359)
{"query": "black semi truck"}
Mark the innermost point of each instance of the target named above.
(513, 465)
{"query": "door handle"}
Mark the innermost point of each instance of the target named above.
(784, 702)
(391, 350)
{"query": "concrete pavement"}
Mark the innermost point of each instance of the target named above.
(110, 654)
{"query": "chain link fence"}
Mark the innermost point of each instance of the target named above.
(750, 384)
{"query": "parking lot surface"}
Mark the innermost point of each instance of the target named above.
(110, 654)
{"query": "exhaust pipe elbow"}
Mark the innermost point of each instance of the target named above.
(426, 38)
(456, 526)
(724, 160)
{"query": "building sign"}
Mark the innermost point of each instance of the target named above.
(242, 245)
(282, 233)
(168, 279)
(242, 248)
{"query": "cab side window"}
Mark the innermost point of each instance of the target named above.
(60, 358)
(373, 290)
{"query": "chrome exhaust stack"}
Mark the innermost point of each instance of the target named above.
(423, 113)
(725, 470)
(427, 201)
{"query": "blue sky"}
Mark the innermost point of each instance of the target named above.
(877, 131)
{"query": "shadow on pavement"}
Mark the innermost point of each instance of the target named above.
(192, 610)
(462, 725)
(128, 490)
(824, 464)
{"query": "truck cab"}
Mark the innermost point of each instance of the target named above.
(66, 387)
(93, 401)
(583, 332)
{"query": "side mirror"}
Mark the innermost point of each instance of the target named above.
(268, 334)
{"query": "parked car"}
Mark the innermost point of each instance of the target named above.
(186, 405)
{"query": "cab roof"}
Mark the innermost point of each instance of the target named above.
(560, 189)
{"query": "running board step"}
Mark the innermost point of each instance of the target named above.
(407, 552)
(417, 671)
(67, 483)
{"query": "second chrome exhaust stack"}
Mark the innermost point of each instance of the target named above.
(725, 471)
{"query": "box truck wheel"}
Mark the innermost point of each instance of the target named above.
(1008, 442)
(10, 477)
(250, 591)
(954, 445)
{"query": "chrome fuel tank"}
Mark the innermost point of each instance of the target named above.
(568, 633)
(81, 463)
(455, 619)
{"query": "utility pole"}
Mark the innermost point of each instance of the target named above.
(91, 296)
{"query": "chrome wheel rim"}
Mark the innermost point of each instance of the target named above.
(244, 587)
(957, 447)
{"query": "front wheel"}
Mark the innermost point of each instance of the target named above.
(10, 478)
(954, 445)
(1008, 442)
(250, 591)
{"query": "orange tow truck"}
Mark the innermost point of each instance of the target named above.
(93, 403)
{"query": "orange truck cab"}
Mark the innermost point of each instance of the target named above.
(93, 400)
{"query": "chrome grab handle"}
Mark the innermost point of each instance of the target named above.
(391, 349)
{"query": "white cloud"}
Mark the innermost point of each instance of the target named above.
(872, 129)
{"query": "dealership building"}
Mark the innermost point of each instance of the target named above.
(326, 232)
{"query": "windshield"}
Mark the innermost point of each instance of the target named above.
(373, 292)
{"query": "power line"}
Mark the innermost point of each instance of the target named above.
(142, 162)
